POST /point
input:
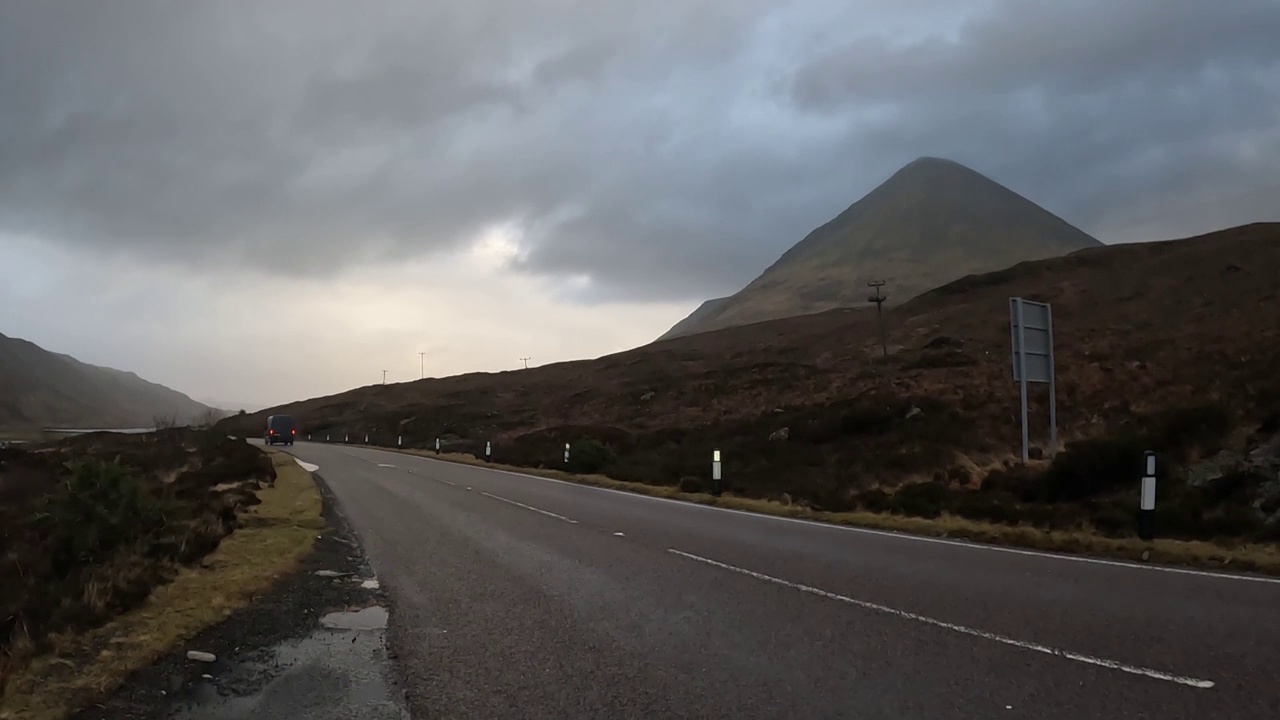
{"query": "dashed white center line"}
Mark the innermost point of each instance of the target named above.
(385, 465)
(1036, 647)
(528, 507)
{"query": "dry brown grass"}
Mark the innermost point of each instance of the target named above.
(1242, 556)
(81, 668)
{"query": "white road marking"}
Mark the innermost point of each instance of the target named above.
(618, 534)
(529, 507)
(307, 466)
(1036, 647)
(889, 534)
(447, 482)
(385, 465)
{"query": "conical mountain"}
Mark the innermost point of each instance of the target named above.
(932, 222)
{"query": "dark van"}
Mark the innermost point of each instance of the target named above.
(281, 430)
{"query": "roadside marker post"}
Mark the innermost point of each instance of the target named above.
(308, 437)
(1147, 503)
(366, 438)
(715, 473)
(346, 438)
(437, 446)
(399, 440)
(488, 451)
(566, 454)
(326, 437)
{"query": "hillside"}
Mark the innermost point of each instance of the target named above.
(1155, 343)
(39, 388)
(930, 223)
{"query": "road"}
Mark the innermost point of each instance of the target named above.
(521, 597)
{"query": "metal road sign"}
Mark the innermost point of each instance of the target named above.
(1032, 323)
(1031, 339)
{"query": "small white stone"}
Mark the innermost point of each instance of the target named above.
(203, 657)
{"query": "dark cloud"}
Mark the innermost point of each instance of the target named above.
(666, 150)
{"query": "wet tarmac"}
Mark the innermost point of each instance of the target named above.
(332, 674)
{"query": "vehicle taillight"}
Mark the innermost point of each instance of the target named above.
(295, 432)
(271, 432)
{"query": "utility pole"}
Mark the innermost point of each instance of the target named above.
(384, 377)
(422, 365)
(526, 362)
(878, 298)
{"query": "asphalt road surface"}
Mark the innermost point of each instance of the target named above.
(521, 597)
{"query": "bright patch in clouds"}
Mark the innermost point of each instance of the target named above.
(265, 338)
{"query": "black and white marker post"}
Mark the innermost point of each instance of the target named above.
(1146, 515)
(399, 440)
(488, 451)
(566, 454)
(366, 438)
(715, 473)
(437, 446)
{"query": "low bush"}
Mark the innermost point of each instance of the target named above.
(690, 484)
(1182, 432)
(1087, 468)
(590, 456)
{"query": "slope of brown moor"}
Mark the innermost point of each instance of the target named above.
(1139, 328)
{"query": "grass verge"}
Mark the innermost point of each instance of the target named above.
(1242, 556)
(272, 540)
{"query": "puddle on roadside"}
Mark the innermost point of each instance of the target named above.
(328, 675)
(370, 618)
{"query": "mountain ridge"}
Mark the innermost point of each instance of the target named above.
(931, 222)
(42, 388)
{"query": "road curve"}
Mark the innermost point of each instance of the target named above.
(521, 597)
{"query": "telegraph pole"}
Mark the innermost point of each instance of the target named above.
(384, 377)
(878, 298)
(422, 365)
(526, 362)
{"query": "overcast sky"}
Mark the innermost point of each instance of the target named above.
(262, 201)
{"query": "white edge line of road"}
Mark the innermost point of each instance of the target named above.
(309, 467)
(529, 507)
(885, 533)
(964, 630)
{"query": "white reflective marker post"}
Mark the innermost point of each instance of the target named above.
(1147, 503)
(566, 453)
(488, 451)
(437, 446)
(715, 473)
(399, 440)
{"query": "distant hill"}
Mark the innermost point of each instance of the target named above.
(1175, 340)
(39, 388)
(930, 223)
